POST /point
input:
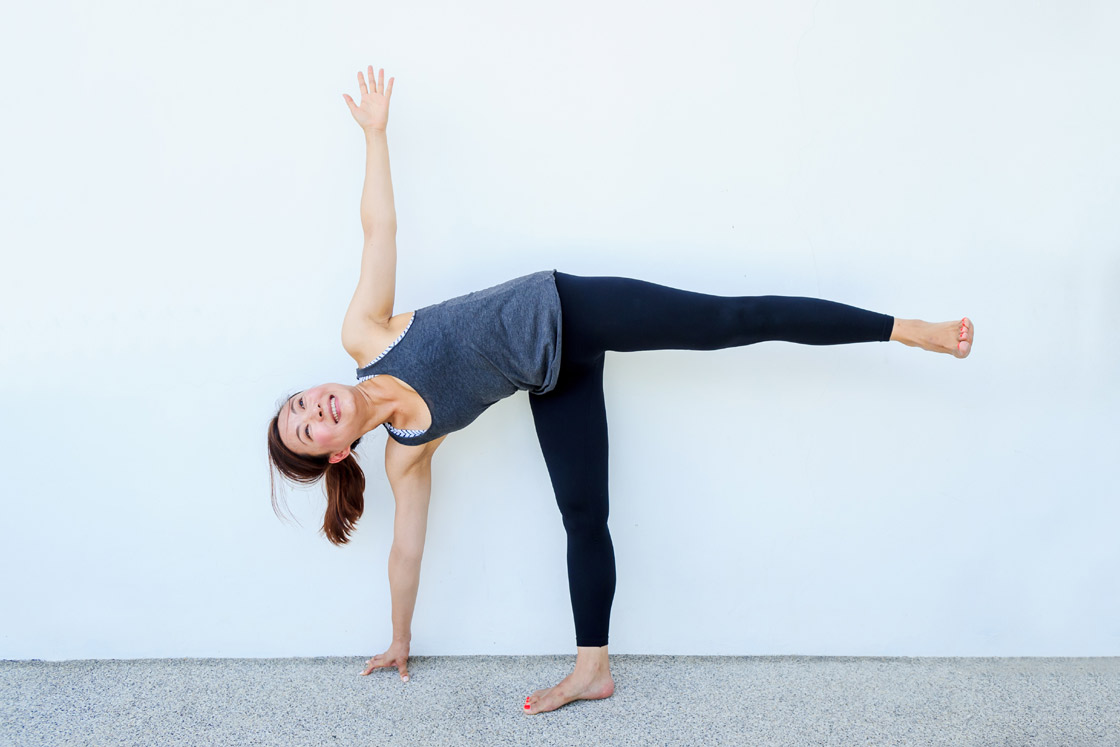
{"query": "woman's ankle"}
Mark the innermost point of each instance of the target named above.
(591, 657)
(907, 331)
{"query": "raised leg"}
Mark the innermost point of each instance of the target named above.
(624, 314)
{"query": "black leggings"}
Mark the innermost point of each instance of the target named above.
(623, 314)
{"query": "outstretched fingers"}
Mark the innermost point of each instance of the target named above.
(377, 87)
(382, 661)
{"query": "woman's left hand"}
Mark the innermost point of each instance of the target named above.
(373, 112)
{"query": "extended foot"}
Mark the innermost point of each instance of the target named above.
(579, 685)
(954, 338)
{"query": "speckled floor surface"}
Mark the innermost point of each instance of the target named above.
(472, 700)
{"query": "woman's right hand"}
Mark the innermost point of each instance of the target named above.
(396, 656)
(373, 111)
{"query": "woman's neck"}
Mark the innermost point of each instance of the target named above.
(385, 401)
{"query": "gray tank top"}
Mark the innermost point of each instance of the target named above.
(466, 353)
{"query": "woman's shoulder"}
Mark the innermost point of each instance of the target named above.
(366, 339)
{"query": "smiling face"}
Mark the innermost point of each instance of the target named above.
(321, 420)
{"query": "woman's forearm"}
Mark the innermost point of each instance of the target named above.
(377, 211)
(404, 581)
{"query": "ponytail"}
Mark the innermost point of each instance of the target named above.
(345, 482)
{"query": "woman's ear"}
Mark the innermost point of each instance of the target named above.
(338, 456)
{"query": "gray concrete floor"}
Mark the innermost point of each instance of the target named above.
(472, 700)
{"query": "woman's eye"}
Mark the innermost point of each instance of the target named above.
(301, 402)
(307, 430)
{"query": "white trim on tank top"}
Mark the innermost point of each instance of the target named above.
(402, 432)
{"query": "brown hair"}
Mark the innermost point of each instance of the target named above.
(346, 483)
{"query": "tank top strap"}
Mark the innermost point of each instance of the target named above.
(366, 375)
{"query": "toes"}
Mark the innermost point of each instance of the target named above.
(540, 702)
(532, 705)
(965, 334)
(533, 702)
(963, 348)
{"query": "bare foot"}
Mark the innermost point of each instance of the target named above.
(954, 338)
(582, 684)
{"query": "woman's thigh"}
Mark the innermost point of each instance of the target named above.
(571, 425)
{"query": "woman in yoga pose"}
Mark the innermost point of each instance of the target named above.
(426, 373)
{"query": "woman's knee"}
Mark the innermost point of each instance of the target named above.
(586, 520)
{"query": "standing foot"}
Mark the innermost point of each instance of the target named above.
(954, 338)
(591, 680)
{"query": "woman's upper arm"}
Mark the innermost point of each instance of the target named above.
(402, 460)
(372, 304)
(377, 279)
(409, 469)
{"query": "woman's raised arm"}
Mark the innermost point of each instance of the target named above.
(373, 298)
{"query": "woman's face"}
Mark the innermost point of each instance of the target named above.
(321, 420)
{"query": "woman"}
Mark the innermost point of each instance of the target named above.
(426, 373)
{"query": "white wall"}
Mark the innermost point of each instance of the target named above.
(180, 189)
